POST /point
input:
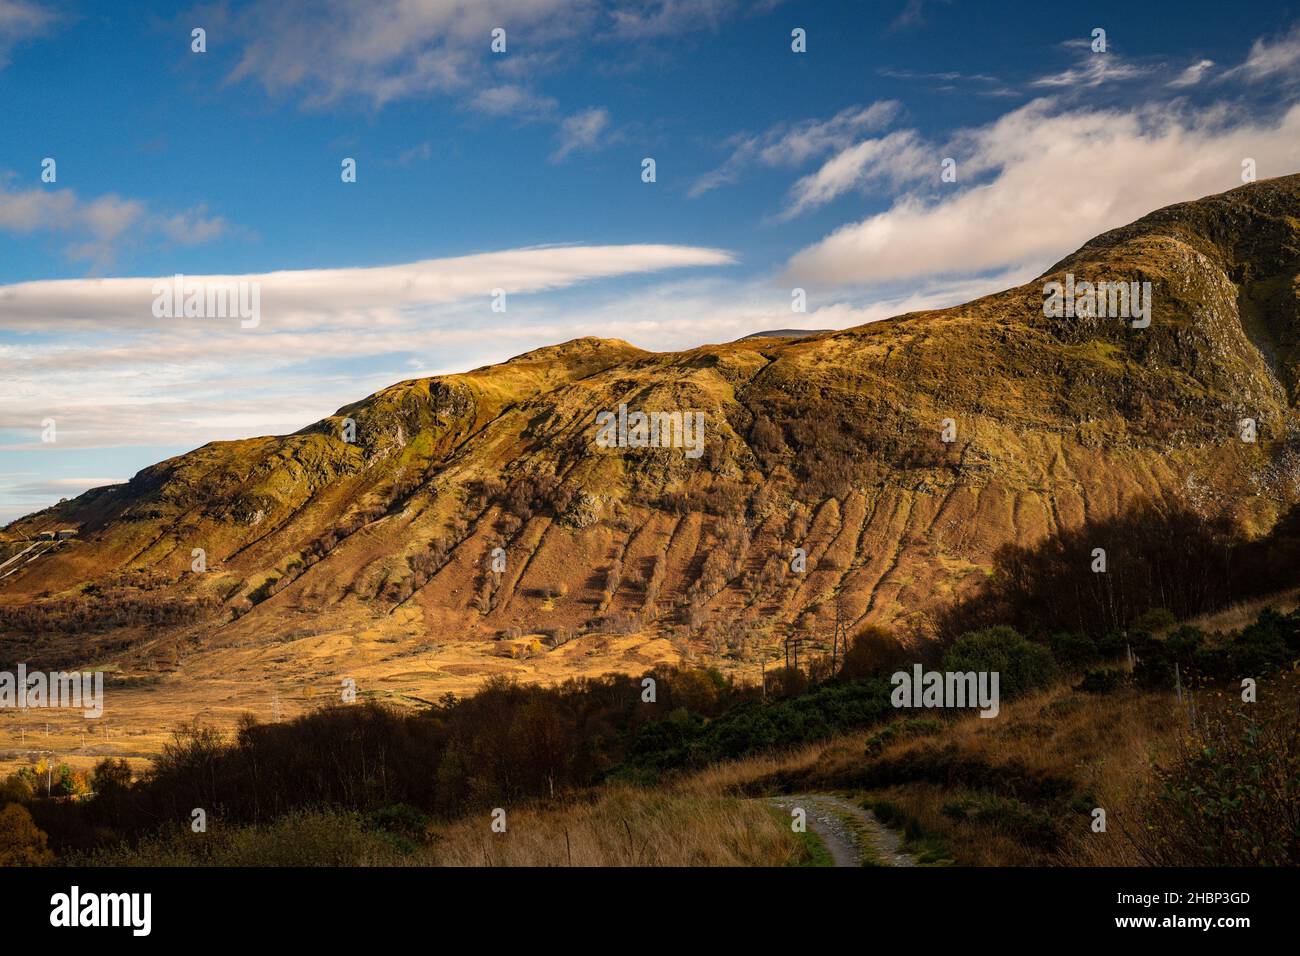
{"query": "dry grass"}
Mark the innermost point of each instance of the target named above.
(625, 826)
(1246, 613)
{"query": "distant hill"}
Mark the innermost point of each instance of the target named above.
(785, 333)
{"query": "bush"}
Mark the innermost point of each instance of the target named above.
(1073, 651)
(22, 843)
(1228, 797)
(16, 788)
(1273, 641)
(1021, 664)
(1100, 681)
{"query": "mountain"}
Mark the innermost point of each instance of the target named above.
(380, 549)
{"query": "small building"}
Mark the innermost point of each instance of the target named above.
(65, 534)
(45, 536)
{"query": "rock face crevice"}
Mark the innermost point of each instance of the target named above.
(833, 443)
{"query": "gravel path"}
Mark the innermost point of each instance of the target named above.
(851, 833)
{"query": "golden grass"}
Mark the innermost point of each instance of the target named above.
(1241, 615)
(625, 826)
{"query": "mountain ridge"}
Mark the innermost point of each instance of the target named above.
(831, 443)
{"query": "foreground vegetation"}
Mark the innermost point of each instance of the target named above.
(590, 773)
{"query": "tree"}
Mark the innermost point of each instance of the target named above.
(22, 843)
(111, 776)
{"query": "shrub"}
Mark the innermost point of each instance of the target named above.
(16, 788)
(1073, 651)
(1100, 681)
(111, 776)
(1021, 664)
(1228, 796)
(22, 843)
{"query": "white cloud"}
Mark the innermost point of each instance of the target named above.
(897, 158)
(1192, 75)
(912, 15)
(1058, 179)
(1272, 59)
(193, 226)
(511, 99)
(21, 20)
(651, 19)
(306, 298)
(1093, 70)
(581, 131)
(97, 227)
(384, 50)
(791, 145)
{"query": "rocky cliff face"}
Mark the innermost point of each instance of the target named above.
(896, 456)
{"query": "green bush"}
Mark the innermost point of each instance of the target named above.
(1272, 642)
(400, 819)
(1228, 797)
(1021, 664)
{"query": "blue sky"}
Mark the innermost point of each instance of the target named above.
(774, 170)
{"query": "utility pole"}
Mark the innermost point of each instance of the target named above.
(841, 636)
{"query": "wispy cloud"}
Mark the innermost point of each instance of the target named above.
(22, 20)
(327, 51)
(1276, 58)
(791, 145)
(511, 99)
(1192, 75)
(1091, 69)
(97, 228)
(652, 19)
(896, 159)
(913, 14)
(581, 131)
